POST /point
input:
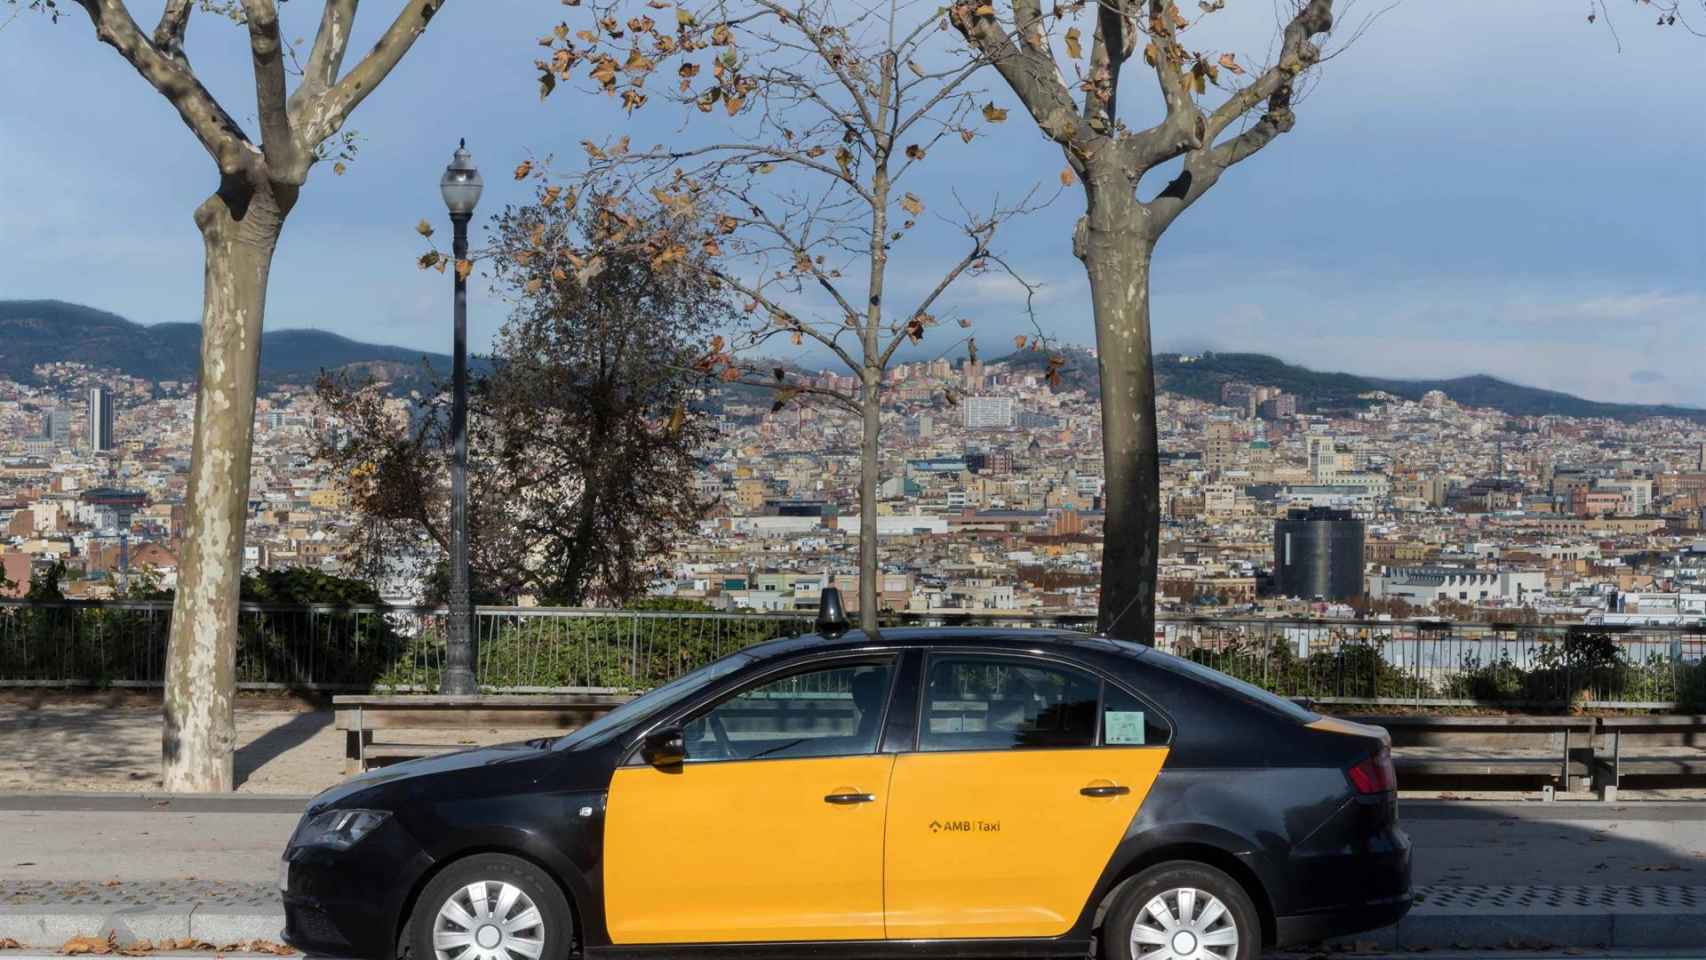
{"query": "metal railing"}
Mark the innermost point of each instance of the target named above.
(1433, 663)
(327, 647)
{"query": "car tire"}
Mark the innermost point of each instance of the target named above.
(1222, 923)
(453, 921)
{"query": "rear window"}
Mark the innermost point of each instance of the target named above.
(1247, 691)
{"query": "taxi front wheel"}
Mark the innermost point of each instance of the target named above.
(1182, 911)
(491, 907)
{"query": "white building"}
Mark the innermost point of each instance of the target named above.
(1425, 586)
(988, 413)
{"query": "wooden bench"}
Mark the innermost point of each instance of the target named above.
(1683, 738)
(1451, 744)
(360, 716)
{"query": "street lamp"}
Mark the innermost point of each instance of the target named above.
(461, 187)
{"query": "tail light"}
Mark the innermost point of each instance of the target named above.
(1375, 774)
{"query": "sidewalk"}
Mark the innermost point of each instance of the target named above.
(1534, 876)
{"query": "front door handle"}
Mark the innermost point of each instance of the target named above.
(847, 798)
(1105, 790)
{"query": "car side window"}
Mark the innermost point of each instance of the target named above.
(830, 711)
(1129, 722)
(994, 703)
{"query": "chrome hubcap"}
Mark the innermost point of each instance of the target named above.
(489, 920)
(1184, 924)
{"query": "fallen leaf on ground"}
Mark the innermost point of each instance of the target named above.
(77, 946)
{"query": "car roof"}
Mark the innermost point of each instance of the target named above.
(1015, 638)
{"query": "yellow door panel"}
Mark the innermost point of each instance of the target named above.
(746, 851)
(1002, 843)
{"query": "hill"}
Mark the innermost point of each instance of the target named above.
(1319, 391)
(49, 331)
(1202, 377)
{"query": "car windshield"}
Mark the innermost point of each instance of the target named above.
(655, 699)
(1248, 691)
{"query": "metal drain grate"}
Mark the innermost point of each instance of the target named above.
(137, 893)
(1562, 899)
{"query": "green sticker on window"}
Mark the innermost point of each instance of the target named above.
(1124, 727)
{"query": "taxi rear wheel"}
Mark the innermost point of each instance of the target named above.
(1182, 911)
(491, 907)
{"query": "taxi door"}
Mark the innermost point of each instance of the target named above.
(772, 827)
(1023, 783)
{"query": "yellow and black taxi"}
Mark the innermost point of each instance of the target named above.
(953, 792)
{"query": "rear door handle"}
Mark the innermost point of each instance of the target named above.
(1109, 790)
(847, 798)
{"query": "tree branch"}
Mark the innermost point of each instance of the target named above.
(777, 310)
(267, 52)
(1205, 163)
(325, 114)
(223, 139)
(169, 33)
(1032, 74)
(978, 251)
(1298, 53)
(326, 58)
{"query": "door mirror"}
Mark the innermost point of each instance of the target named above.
(664, 747)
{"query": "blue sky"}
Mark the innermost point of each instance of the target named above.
(1470, 188)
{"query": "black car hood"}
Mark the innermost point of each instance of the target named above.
(426, 767)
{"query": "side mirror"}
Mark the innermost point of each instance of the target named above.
(664, 748)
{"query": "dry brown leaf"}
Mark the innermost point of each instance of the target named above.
(1066, 177)
(911, 204)
(1074, 49)
(523, 169)
(1019, 342)
(993, 113)
(463, 268)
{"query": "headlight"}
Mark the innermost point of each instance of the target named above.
(337, 829)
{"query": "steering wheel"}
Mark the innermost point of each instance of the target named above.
(722, 734)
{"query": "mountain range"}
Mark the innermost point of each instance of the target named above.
(34, 332)
(50, 331)
(1202, 375)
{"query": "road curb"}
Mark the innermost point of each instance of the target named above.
(49, 925)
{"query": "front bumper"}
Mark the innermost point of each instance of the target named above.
(349, 902)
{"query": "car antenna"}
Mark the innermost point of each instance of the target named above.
(831, 616)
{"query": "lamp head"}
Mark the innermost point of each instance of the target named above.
(461, 184)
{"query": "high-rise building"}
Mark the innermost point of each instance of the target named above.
(1318, 553)
(56, 426)
(986, 413)
(100, 419)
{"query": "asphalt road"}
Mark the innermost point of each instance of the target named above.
(239, 839)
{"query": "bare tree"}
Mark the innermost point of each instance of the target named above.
(258, 184)
(1117, 235)
(823, 109)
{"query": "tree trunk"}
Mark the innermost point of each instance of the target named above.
(1112, 240)
(240, 227)
(870, 458)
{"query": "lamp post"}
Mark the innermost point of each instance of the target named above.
(461, 187)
